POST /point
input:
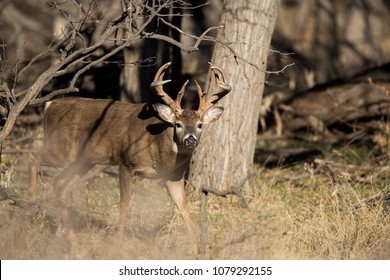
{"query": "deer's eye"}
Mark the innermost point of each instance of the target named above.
(178, 125)
(200, 125)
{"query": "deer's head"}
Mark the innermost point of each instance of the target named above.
(188, 124)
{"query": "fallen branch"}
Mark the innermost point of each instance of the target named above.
(244, 236)
(203, 207)
(47, 210)
(236, 190)
(30, 208)
(381, 196)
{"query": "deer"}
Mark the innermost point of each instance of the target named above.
(154, 141)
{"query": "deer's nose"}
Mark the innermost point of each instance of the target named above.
(190, 141)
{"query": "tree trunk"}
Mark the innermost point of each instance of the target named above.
(225, 155)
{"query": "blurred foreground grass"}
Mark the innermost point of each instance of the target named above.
(303, 211)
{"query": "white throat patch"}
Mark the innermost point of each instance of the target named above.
(175, 148)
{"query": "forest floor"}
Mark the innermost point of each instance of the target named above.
(320, 210)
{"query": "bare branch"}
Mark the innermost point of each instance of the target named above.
(51, 72)
(72, 87)
(199, 39)
(281, 70)
(77, 61)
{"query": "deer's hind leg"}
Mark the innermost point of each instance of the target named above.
(70, 176)
(33, 174)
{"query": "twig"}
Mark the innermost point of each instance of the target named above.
(281, 70)
(199, 39)
(16, 151)
(325, 164)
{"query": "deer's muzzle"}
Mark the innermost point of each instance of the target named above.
(190, 141)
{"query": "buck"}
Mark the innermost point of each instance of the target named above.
(149, 140)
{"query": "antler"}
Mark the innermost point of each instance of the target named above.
(220, 90)
(157, 85)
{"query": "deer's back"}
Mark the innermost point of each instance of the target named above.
(98, 130)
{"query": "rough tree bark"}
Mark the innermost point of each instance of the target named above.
(225, 155)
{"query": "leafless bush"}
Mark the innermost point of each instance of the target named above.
(91, 33)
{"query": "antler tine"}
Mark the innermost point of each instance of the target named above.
(221, 87)
(202, 99)
(157, 85)
(216, 69)
(220, 90)
(181, 93)
(159, 76)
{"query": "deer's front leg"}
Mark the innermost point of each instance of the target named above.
(177, 192)
(125, 177)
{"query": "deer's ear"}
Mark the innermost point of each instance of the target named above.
(165, 112)
(212, 114)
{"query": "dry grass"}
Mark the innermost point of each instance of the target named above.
(294, 213)
(341, 226)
